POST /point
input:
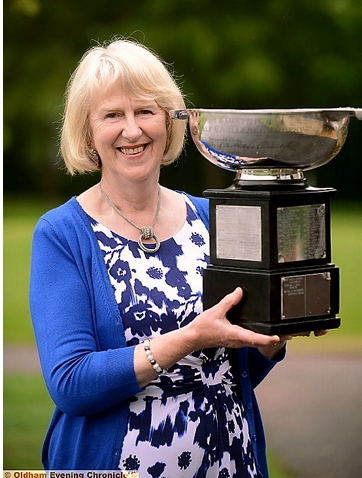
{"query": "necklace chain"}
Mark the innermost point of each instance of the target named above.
(147, 232)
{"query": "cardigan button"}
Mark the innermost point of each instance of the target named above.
(244, 374)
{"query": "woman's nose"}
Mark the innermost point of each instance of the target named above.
(131, 129)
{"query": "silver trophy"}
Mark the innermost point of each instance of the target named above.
(270, 231)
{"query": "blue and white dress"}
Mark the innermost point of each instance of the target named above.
(190, 421)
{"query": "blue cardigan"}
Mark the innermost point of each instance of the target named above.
(86, 365)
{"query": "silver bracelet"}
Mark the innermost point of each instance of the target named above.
(156, 367)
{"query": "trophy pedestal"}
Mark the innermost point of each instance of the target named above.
(275, 245)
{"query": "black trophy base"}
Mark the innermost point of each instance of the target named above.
(277, 302)
(293, 327)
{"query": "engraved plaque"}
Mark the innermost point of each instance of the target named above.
(301, 233)
(305, 295)
(238, 233)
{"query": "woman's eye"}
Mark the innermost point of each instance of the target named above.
(111, 115)
(145, 112)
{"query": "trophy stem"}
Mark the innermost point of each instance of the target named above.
(272, 178)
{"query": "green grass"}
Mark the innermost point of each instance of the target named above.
(27, 409)
(19, 220)
(277, 468)
(347, 254)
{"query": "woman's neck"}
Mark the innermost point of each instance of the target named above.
(132, 197)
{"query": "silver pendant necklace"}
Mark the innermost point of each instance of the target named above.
(147, 232)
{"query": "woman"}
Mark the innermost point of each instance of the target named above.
(142, 378)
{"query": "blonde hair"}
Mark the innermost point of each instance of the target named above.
(141, 74)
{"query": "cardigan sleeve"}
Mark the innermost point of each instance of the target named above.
(82, 378)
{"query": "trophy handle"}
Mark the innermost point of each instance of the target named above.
(179, 114)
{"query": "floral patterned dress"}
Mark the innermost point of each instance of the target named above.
(190, 421)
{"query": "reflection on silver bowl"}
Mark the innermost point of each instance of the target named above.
(300, 139)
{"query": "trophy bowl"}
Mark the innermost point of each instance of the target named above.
(297, 139)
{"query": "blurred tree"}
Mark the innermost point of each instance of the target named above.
(230, 54)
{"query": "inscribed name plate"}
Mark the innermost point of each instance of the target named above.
(301, 233)
(238, 233)
(306, 295)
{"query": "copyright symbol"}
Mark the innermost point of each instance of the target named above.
(7, 474)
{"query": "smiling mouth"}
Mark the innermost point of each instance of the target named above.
(130, 151)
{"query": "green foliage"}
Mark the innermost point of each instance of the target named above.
(231, 54)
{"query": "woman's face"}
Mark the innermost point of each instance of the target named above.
(129, 135)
